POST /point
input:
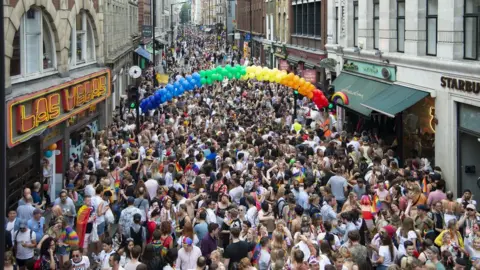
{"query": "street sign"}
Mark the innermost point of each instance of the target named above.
(247, 37)
(237, 36)
(147, 31)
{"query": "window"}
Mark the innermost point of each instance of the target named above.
(311, 19)
(355, 23)
(336, 25)
(432, 11)
(304, 18)
(33, 46)
(376, 23)
(400, 26)
(471, 29)
(82, 47)
(318, 9)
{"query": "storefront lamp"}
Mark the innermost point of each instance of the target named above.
(330, 106)
(132, 105)
(295, 92)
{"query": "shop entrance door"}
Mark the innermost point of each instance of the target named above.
(469, 162)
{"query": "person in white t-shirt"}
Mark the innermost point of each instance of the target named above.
(386, 253)
(79, 262)
(236, 193)
(25, 241)
(135, 254)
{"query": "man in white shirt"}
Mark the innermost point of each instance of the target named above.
(24, 241)
(236, 193)
(151, 185)
(90, 189)
(211, 216)
(79, 262)
(252, 212)
(188, 255)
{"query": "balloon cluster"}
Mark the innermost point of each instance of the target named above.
(291, 80)
(50, 149)
(170, 91)
(210, 76)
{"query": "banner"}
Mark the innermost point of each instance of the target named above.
(162, 78)
(310, 75)
(283, 65)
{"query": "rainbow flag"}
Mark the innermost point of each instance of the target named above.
(117, 185)
(424, 185)
(178, 167)
(376, 204)
(83, 214)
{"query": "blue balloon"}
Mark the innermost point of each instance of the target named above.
(163, 99)
(181, 80)
(193, 82)
(196, 76)
(176, 84)
(158, 96)
(186, 85)
(169, 96)
(188, 77)
(169, 87)
(48, 153)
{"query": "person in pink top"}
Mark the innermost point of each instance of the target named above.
(438, 195)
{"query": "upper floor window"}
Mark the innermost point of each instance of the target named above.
(471, 29)
(82, 47)
(33, 46)
(355, 23)
(400, 25)
(432, 12)
(376, 24)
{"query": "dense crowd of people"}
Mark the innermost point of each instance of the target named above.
(225, 177)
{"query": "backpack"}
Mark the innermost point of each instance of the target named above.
(15, 240)
(137, 236)
(278, 213)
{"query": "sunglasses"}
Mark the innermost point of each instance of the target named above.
(470, 209)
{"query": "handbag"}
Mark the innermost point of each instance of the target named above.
(109, 218)
(94, 235)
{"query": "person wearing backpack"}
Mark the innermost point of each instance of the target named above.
(280, 204)
(137, 232)
(24, 242)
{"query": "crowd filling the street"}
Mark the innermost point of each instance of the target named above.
(231, 175)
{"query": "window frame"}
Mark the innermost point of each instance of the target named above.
(23, 49)
(400, 18)
(87, 25)
(376, 17)
(470, 15)
(428, 18)
(355, 24)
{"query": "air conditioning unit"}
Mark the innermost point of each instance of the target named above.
(386, 73)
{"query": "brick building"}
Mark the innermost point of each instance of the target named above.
(257, 27)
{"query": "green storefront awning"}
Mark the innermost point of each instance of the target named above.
(394, 99)
(293, 59)
(358, 90)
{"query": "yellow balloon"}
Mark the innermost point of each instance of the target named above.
(251, 75)
(297, 127)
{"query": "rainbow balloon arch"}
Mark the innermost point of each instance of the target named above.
(208, 77)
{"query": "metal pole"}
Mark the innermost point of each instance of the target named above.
(295, 105)
(154, 41)
(171, 22)
(251, 34)
(3, 144)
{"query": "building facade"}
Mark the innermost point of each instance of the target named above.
(56, 87)
(251, 27)
(121, 37)
(412, 65)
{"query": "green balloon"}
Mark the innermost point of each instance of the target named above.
(243, 71)
(209, 81)
(237, 75)
(203, 80)
(202, 73)
(229, 75)
(219, 69)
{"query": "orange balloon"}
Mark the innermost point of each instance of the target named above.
(310, 95)
(302, 81)
(52, 147)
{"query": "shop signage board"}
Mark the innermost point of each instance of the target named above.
(147, 31)
(283, 65)
(310, 75)
(31, 115)
(382, 72)
(460, 84)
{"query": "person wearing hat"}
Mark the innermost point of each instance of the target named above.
(188, 255)
(422, 215)
(24, 241)
(36, 224)
(433, 255)
(468, 220)
(126, 220)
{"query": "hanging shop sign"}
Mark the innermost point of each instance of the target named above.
(310, 75)
(283, 65)
(280, 51)
(460, 84)
(382, 72)
(32, 114)
(147, 31)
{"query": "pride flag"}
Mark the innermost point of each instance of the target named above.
(376, 204)
(83, 215)
(424, 185)
(178, 167)
(69, 237)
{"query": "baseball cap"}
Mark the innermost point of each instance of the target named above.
(471, 206)
(137, 217)
(187, 241)
(22, 224)
(131, 200)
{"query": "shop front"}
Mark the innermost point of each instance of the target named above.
(279, 56)
(48, 127)
(302, 60)
(399, 114)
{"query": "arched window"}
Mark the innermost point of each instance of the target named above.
(82, 47)
(33, 46)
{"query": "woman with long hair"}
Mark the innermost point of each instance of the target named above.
(351, 203)
(166, 237)
(48, 261)
(188, 232)
(386, 253)
(125, 251)
(152, 259)
(406, 233)
(9, 263)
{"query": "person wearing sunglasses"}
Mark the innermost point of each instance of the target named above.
(468, 220)
(79, 262)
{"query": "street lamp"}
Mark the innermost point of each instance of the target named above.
(171, 18)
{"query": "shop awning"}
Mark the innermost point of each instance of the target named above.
(143, 53)
(162, 41)
(394, 99)
(358, 90)
(293, 59)
(309, 65)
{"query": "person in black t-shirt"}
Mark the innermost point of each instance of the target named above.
(237, 250)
